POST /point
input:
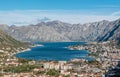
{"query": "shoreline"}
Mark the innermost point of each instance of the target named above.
(36, 45)
(27, 49)
(24, 50)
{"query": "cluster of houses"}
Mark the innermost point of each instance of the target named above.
(65, 69)
(73, 68)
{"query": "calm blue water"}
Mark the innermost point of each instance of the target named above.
(54, 51)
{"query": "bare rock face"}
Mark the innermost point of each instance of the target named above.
(39, 32)
(55, 31)
(113, 33)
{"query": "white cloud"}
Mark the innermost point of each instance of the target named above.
(25, 17)
(116, 13)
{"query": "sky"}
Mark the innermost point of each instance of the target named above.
(23, 12)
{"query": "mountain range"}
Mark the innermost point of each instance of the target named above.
(57, 31)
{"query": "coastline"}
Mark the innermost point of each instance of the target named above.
(36, 45)
(24, 50)
(27, 49)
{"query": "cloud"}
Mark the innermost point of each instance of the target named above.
(116, 13)
(25, 17)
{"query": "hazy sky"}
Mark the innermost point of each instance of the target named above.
(22, 12)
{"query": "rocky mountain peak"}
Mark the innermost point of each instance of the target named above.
(61, 31)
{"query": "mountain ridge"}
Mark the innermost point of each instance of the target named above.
(54, 31)
(7, 43)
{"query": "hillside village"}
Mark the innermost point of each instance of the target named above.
(105, 55)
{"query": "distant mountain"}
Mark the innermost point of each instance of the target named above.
(45, 19)
(4, 27)
(61, 31)
(113, 33)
